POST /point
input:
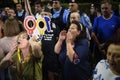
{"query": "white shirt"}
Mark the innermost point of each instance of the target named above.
(37, 16)
(103, 72)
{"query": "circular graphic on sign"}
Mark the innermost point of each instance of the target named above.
(41, 25)
(30, 24)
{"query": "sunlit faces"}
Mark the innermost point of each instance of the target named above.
(113, 56)
(74, 30)
(106, 9)
(22, 40)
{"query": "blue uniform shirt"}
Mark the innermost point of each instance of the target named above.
(105, 28)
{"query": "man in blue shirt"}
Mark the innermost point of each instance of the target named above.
(104, 28)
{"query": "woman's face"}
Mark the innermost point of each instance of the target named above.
(74, 30)
(22, 41)
(113, 56)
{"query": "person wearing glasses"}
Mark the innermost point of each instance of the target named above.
(104, 28)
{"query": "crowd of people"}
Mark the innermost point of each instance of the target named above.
(77, 47)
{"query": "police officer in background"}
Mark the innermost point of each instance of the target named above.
(58, 13)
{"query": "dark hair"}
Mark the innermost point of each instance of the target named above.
(39, 3)
(82, 30)
(47, 10)
(79, 27)
(103, 2)
(20, 4)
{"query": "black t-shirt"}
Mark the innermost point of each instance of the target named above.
(48, 42)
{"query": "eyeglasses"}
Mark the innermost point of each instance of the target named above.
(105, 8)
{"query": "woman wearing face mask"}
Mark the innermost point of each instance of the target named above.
(24, 59)
(109, 69)
(74, 54)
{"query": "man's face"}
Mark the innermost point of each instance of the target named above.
(73, 7)
(56, 4)
(7, 9)
(38, 8)
(113, 56)
(74, 17)
(19, 7)
(106, 9)
(11, 12)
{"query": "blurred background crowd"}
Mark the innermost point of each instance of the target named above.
(74, 49)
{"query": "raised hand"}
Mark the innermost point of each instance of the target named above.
(69, 37)
(13, 48)
(27, 7)
(62, 35)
